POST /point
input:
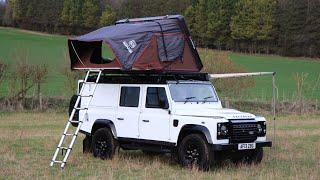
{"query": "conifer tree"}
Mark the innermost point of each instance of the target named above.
(71, 14)
(219, 17)
(91, 13)
(108, 17)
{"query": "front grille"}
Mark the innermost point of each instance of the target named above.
(243, 132)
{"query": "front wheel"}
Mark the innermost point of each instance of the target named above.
(194, 151)
(249, 157)
(103, 144)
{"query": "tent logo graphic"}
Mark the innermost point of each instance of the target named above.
(130, 45)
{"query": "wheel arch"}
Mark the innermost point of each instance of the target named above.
(194, 128)
(101, 123)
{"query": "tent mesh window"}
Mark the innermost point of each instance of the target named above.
(170, 47)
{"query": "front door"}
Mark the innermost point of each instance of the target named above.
(154, 117)
(127, 117)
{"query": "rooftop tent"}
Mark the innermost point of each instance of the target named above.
(155, 43)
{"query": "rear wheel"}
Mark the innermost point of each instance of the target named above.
(86, 144)
(103, 144)
(194, 151)
(73, 101)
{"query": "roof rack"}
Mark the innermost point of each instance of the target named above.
(147, 77)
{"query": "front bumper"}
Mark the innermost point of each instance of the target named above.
(222, 147)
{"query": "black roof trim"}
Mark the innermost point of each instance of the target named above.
(147, 77)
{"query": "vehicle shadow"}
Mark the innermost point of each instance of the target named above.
(168, 159)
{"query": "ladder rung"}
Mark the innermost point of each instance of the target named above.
(64, 148)
(57, 161)
(76, 108)
(95, 70)
(76, 121)
(85, 95)
(69, 134)
(89, 82)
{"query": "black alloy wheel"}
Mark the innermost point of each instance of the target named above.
(194, 151)
(103, 144)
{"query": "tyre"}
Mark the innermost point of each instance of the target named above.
(194, 151)
(86, 144)
(103, 144)
(249, 157)
(72, 102)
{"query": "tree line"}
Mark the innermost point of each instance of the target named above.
(284, 27)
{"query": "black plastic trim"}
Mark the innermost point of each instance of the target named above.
(221, 147)
(264, 127)
(84, 132)
(105, 123)
(145, 141)
(197, 128)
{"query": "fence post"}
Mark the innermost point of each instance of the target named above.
(40, 101)
(227, 103)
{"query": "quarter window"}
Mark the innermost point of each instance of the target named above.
(156, 97)
(129, 96)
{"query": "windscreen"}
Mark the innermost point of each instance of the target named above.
(192, 92)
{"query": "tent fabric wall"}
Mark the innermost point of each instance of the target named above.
(157, 43)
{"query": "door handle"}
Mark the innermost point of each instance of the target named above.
(120, 119)
(145, 121)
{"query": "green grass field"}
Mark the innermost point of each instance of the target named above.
(28, 141)
(286, 69)
(52, 49)
(39, 49)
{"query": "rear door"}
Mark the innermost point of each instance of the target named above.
(127, 117)
(154, 118)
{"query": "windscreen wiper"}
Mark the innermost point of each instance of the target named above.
(206, 98)
(188, 98)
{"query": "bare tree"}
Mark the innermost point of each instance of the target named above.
(2, 71)
(40, 73)
(301, 89)
(24, 74)
(71, 76)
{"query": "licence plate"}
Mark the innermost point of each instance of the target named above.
(244, 146)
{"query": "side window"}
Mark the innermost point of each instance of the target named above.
(156, 98)
(129, 96)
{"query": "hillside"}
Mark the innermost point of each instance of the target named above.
(41, 48)
(287, 69)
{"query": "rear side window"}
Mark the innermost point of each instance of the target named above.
(129, 96)
(156, 97)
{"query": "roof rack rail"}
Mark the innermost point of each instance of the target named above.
(148, 77)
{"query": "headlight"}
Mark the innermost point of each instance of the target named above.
(259, 128)
(262, 128)
(222, 131)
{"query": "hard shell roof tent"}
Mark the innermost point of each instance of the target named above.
(143, 44)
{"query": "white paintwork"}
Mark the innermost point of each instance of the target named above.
(105, 105)
(159, 120)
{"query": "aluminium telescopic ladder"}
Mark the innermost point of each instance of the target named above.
(76, 107)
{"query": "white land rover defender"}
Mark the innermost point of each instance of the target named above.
(172, 113)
